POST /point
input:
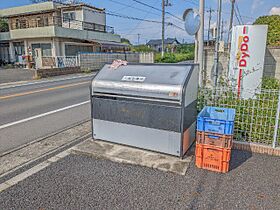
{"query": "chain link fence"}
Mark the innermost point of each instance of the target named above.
(257, 118)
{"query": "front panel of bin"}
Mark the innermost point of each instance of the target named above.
(141, 106)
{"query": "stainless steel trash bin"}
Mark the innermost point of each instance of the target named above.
(149, 106)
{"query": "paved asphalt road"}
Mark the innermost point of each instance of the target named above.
(79, 182)
(33, 110)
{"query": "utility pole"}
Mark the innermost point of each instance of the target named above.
(216, 56)
(222, 30)
(162, 30)
(138, 36)
(230, 23)
(209, 23)
(200, 37)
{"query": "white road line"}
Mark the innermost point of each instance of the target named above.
(46, 81)
(42, 115)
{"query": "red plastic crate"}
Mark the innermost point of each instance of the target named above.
(212, 158)
(214, 139)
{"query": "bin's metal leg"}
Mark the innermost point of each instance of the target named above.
(276, 123)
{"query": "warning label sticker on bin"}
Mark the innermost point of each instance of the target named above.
(133, 78)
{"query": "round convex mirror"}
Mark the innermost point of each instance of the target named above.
(192, 21)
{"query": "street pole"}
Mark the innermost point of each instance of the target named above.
(222, 31)
(138, 35)
(209, 23)
(216, 56)
(230, 23)
(162, 30)
(201, 41)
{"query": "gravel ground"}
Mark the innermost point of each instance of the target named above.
(81, 182)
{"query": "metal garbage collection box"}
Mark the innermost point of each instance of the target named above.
(149, 106)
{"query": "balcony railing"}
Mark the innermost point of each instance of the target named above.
(44, 21)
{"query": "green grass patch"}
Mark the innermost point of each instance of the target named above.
(173, 57)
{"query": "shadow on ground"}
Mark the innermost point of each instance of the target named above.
(238, 158)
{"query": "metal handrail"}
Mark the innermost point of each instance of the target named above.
(44, 21)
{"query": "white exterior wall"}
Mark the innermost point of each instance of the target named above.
(94, 17)
(79, 15)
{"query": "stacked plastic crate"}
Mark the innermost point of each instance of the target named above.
(214, 138)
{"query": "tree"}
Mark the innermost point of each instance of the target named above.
(125, 41)
(141, 48)
(185, 48)
(273, 22)
(4, 26)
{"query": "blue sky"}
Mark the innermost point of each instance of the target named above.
(249, 10)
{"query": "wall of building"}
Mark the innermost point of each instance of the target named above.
(45, 6)
(54, 31)
(94, 17)
(31, 21)
(208, 74)
(86, 35)
(5, 36)
(271, 63)
(40, 32)
(74, 24)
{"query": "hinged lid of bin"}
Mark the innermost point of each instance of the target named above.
(164, 81)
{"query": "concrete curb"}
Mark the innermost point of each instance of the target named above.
(256, 148)
(130, 155)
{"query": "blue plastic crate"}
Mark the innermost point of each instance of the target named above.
(216, 120)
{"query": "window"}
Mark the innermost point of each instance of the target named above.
(73, 50)
(19, 48)
(17, 25)
(40, 22)
(46, 21)
(69, 16)
(46, 48)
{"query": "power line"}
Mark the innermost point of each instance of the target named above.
(237, 18)
(128, 17)
(175, 26)
(160, 10)
(244, 16)
(110, 13)
(119, 15)
(237, 8)
(147, 13)
(127, 5)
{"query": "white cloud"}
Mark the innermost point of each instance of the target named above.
(274, 11)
